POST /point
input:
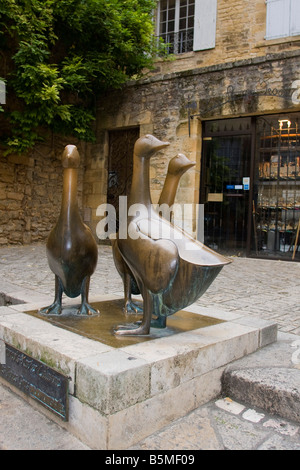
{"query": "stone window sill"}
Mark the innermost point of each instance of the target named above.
(274, 42)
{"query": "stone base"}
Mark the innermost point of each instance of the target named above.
(120, 395)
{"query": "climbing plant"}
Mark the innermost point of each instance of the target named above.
(58, 57)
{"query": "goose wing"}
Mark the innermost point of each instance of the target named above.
(154, 262)
(189, 249)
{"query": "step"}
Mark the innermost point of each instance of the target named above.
(268, 379)
(274, 390)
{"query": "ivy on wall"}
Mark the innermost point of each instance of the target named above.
(58, 57)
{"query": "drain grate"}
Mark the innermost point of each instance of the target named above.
(6, 300)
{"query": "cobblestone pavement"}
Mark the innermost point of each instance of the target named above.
(266, 289)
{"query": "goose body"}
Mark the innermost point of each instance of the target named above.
(71, 248)
(178, 165)
(172, 270)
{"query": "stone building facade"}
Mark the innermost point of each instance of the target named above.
(221, 95)
(244, 73)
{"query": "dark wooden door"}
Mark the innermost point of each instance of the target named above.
(120, 164)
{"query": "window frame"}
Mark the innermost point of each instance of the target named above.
(176, 45)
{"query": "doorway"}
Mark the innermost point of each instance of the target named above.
(225, 185)
(120, 164)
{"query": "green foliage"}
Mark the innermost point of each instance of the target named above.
(64, 54)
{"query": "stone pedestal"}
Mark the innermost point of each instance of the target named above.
(119, 393)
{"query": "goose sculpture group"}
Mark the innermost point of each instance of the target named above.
(163, 263)
(171, 269)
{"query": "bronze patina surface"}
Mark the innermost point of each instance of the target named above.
(177, 167)
(171, 269)
(72, 251)
(101, 327)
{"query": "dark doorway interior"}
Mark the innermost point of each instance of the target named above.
(225, 184)
(121, 143)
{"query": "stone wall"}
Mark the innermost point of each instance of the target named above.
(30, 193)
(240, 35)
(161, 105)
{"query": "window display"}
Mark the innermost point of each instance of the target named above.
(277, 186)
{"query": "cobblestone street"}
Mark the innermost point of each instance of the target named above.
(266, 289)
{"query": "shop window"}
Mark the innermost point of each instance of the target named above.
(187, 25)
(283, 18)
(276, 200)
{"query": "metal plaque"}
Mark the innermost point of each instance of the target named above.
(37, 380)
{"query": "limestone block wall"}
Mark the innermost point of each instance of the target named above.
(240, 35)
(30, 193)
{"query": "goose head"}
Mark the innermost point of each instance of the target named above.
(147, 145)
(70, 157)
(179, 165)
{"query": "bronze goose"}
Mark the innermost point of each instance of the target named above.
(172, 269)
(178, 165)
(72, 251)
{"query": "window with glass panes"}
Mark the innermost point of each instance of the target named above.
(176, 24)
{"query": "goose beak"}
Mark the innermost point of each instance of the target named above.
(185, 162)
(180, 164)
(148, 145)
(155, 143)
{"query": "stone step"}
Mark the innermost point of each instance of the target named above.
(275, 390)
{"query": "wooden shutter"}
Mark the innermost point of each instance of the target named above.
(205, 24)
(295, 17)
(278, 18)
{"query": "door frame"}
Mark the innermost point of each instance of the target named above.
(251, 131)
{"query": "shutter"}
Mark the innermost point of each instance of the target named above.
(205, 24)
(295, 17)
(278, 16)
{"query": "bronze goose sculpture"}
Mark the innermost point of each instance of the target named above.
(172, 269)
(177, 167)
(71, 248)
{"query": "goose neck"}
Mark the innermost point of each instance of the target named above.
(140, 188)
(69, 204)
(169, 190)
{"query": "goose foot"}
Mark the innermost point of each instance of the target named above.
(141, 330)
(87, 309)
(131, 307)
(159, 322)
(144, 328)
(53, 309)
